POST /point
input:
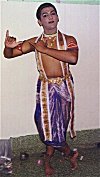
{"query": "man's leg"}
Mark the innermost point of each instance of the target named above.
(71, 154)
(49, 153)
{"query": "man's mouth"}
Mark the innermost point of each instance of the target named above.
(51, 22)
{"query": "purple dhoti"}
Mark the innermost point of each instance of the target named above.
(53, 111)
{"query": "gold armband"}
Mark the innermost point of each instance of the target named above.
(72, 45)
(19, 47)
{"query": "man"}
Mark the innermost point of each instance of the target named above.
(55, 98)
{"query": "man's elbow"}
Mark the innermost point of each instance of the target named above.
(74, 60)
(7, 56)
(74, 57)
(8, 53)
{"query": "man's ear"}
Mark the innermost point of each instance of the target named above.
(58, 19)
(39, 22)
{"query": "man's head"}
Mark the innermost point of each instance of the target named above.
(44, 5)
(47, 18)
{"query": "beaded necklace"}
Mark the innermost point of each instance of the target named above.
(49, 39)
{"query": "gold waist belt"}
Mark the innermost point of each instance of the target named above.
(57, 80)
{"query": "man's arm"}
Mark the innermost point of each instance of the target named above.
(69, 56)
(14, 49)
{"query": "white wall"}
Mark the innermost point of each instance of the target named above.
(19, 76)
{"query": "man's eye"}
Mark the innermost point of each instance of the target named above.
(53, 13)
(45, 15)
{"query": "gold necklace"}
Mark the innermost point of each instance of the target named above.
(50, 35)
(49, 39)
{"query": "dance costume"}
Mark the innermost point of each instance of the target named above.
(54, 101)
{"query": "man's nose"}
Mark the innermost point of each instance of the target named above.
(50, 16)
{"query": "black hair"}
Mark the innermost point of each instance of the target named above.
(38, 13)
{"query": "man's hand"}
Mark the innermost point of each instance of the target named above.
(10, 41)
(40, 46)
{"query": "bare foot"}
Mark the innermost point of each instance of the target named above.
(73, 160)
(49, 170)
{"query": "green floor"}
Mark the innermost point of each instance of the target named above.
(86, 142)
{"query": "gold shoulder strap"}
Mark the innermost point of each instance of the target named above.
(61, 37)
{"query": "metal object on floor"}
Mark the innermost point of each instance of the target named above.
(24, 156)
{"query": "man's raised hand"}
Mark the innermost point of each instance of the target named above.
(10, 41)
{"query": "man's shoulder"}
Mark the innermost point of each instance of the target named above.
(70, 38)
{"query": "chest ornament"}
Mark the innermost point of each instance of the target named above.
(49, 40)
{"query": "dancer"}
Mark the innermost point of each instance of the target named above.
(55, 52)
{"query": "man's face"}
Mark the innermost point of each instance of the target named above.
(49, 18)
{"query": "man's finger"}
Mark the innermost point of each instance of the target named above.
(7, 33)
